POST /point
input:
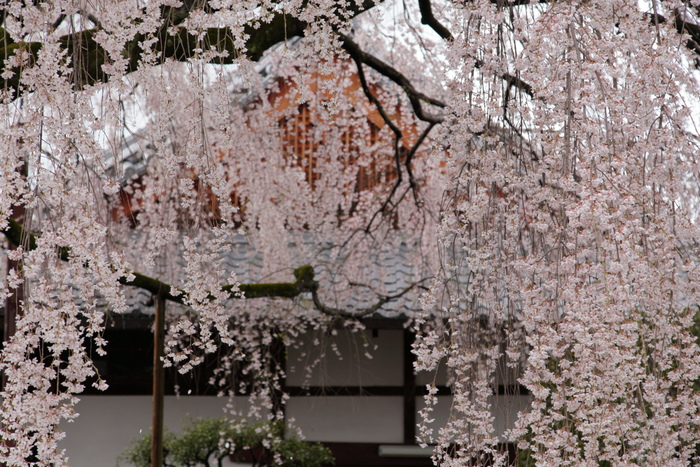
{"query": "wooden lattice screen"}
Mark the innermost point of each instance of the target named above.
(299, 139)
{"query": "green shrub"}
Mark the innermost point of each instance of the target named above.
(204, 439)
(139, 452)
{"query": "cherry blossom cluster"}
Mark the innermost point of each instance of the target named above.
(124, 161)
(569, 236)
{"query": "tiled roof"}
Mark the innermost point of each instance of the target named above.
(389, 272)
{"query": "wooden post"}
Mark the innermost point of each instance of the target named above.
(158, 384)
(409, 389)
(278, 356)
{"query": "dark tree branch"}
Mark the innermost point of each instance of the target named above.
(414, 96)
(397, 151)
(373, 99)
(511, 80)
(427, 18)
(683, 26)
(383, 300)
(409, 160)
(397, 137)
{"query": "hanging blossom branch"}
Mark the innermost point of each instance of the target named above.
(171, 40)
(174, 42)
(683, 19)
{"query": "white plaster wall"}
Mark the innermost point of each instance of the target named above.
(349, 359)
(351, 419)
(504, 409)
(108, 424)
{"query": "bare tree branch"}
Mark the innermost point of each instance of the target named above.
(414, 96)
(383, 300)
(427, 18)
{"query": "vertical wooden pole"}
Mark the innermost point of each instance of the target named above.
(158, 384)
(278, 356)
(409, 389)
